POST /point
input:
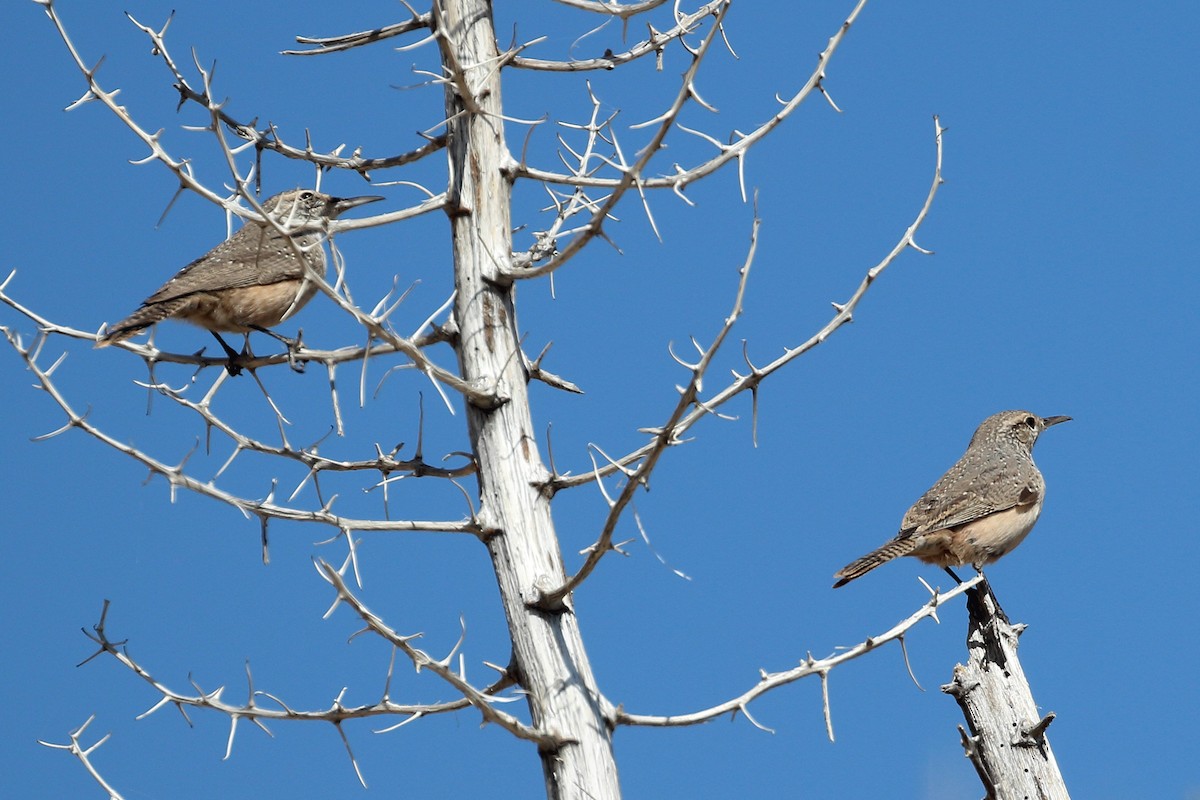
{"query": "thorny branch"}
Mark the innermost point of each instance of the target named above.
(336, 44)
(264, 509)
(843, 313)
(483, 700)
(269, 138)
(386, 464)
(655, 43)
(182, 169)
(336, 713)
(631, 174)
(84, 754)
(442, 669)
(614, 9)
(635, 468)
(152, 355)
(664, 437)
(809, 666)
(375, 325)
(330, 359)
(737, 149)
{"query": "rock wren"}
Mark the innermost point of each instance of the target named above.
(252, 280)
(978, 511)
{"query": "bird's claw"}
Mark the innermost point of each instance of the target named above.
(294, 346)
(233, 359)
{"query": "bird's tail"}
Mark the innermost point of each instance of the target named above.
(141, 319)
(873, 559)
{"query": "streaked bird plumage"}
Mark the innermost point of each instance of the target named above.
(982, 508)
(254, 279)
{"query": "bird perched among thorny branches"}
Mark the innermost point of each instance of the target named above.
(253, 280)
(978, 511)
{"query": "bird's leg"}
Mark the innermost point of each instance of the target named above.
(292, 345)
(233, 366)
(952, 575)
(986, 588)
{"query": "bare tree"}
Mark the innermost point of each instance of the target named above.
(505, 471)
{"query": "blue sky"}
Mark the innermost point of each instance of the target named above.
(1064, 282)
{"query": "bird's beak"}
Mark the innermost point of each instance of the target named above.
(343, 204)
(1048, 421)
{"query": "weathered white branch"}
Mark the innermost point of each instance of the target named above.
(477, 698)
(549, 656)
(843, 313)
(769, 681)
(269, 138)
(736, 150)
(264, 509)
(213, 700)
(82, 753)
(613, 8)
(152, 355)
(685, 24)
(665, 436)
(337, 713)
(632, 174)
(337, 44)
(182, 170)
(1007, 742)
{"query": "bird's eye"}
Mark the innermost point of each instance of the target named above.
(1031, 422)
(306, 196)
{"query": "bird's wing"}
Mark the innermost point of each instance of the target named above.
(960, 497)
(953, 517)
(253, 257)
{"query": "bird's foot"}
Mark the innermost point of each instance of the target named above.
(234, 359)
(294, 346)
(986, 588)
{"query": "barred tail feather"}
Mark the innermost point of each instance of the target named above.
(882, 555)
(141, 319)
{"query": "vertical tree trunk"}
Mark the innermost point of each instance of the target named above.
(1007, 743)
(549, 659)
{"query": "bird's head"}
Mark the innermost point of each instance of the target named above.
(299, 207)
(1019, 426)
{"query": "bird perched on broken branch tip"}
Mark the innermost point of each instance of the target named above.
(250, 282)
(982, 508)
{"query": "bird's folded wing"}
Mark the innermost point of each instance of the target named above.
(232, 265)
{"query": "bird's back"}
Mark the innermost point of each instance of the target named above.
(257, 255)
(989, 477)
